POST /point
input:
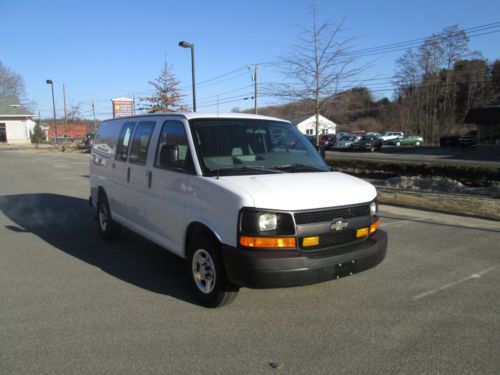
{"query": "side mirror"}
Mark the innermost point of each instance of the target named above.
(169, 155)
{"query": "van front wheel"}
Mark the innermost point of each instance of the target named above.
(207, 275)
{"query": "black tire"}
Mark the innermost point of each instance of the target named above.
(108, 228)
(211, 286)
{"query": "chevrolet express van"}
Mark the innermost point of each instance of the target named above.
(245, 199)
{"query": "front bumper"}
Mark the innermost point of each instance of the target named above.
(279, 268)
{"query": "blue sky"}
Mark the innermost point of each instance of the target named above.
(106, 49)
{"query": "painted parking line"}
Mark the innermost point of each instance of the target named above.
(384, 224)
(476, 275)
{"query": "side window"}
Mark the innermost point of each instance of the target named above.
(173, 148)
(140, 143)
(124, 141)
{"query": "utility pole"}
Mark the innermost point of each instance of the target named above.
(36, 133)
(93, 111)
(133, 104)
(254, 79)
(51, 83)
(65, 113)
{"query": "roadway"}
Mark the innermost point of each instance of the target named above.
(438, 155)
(72, 303)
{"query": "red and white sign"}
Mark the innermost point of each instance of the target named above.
(122, 107)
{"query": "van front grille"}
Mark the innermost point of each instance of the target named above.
(333, 239)
(320, 216)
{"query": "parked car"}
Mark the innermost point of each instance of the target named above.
(345, 142)
(367, 143)
(389, 136)
(243, 209)
(468, 140)
(327, 141)
(407, 140)
(358, 133)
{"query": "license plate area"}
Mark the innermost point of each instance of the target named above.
(345, 269)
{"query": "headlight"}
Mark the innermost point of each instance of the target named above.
(254, 222)
(268, 222)
(373, 208)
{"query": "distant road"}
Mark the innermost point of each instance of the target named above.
(423, 154)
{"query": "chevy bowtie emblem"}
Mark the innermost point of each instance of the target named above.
(338, 225)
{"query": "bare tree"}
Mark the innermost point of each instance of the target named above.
(11, 83)
(317, 65)
(427, 83)
(74, 112)
(167, 97)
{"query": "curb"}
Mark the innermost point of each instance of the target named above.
(455, 204)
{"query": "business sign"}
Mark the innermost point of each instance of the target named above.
(123, 107)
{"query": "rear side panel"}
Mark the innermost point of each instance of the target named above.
(103, 152)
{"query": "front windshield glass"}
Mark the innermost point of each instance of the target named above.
(247, 146)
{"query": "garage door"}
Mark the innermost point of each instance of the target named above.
(3, 133)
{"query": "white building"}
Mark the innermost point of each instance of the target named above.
(16, 122)
(308, 125)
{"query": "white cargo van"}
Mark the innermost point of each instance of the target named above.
(246, 199)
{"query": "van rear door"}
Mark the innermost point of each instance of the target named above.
(117, 188)
(138, 178)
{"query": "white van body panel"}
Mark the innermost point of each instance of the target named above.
(175, 200)
(303, 191)
(216, 203)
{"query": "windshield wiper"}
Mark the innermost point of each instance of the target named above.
(298, 167)
(241, 167)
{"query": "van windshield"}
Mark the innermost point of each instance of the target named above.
(246, 146)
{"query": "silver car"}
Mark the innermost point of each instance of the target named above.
(345, 142)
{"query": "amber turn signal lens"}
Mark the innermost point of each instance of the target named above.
(362, 232)
(374, 226)
(310, 241)
(268, 242)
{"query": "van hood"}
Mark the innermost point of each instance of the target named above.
(302, 191)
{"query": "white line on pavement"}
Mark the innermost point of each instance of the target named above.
(450, 285)
(418, 219)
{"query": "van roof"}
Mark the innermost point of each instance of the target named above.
(196, 115)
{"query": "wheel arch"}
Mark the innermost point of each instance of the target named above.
(100, 192)
(196, 228)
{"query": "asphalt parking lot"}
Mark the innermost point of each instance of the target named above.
(72, 303)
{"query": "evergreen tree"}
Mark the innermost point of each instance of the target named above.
(37, 135)
(167, 97)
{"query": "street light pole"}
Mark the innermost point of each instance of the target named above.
(49, 82)
(184, 44)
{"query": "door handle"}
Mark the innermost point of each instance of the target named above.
(150, 178)
(128, 174)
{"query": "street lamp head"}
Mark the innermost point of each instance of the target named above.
(185, 44)
(49, 82)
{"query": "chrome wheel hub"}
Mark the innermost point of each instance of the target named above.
(203, 269)
(103, 218)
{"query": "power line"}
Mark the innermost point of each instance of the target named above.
(227, 101)
(222, 94)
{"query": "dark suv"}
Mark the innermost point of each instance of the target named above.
(467, 140)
